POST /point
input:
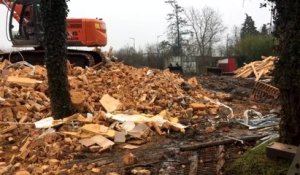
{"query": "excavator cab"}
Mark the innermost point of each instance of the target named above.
(30, 31)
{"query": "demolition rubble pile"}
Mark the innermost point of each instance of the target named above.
(257, 69)
(116, 104)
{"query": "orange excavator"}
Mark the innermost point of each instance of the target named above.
(29, 32)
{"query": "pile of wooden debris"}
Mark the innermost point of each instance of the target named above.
(257, 69)
(117, 104)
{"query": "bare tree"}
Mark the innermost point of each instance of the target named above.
(206, 26)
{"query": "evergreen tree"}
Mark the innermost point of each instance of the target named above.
(252, 47)
(248, 27)
(176, 25)
(54, 15)
(264, 30)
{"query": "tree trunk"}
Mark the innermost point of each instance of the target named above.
(287, 73)
(54, 15)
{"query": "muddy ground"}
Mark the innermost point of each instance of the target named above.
(166, 155)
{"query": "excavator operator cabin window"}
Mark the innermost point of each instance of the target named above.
(27, 25)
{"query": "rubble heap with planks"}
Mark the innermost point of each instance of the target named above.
(257, 69)
(116, 104)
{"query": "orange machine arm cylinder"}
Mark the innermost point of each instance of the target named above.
(16, 13)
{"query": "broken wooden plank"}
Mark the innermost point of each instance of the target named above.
(294, 168)
(8, 129)
(129, 146)
(23, 81)
(259, 75)
(254, 70)
(279, 150)
(194, 164)
(140, 131)
(256, 67)
(198, 106)
(109, 103)
(157, 128)
(99, 140)
(120, 137)
(24, 150)
(219, 142)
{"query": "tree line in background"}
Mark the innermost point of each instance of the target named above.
(200, 32)
(248, 44)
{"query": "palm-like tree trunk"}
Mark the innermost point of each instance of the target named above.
(287, 73)
(54, 13)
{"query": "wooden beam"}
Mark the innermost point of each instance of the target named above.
(254, 70)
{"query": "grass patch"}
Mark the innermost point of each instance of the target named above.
(256, 162)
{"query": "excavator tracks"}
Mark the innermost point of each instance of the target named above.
(36, 57)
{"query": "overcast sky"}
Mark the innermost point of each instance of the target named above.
(144, 20)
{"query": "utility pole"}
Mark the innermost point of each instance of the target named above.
(133, 39)
(158, 51)
(227, 49)
(157, 42)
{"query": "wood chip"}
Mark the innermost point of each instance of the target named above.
(157, 128)
(22, 173)
(198, 106)
(8, 129)
(129, 159)
(96, 170)
(129, 146)
(193, 82)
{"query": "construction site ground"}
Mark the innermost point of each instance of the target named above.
(208, 145)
